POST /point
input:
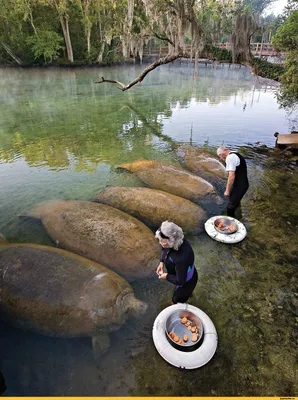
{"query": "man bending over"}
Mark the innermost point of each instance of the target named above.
(237, 184)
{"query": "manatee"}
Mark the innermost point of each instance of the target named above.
(56, 293)
(154, 206)
(198, 161)
(103, 234)
(171, 179)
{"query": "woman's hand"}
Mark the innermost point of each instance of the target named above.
(163, 276)
(160, 270)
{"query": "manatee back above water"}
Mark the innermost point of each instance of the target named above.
(154, 206)
(171, 179)
(103, 234)
(198, 160)
(57, 293)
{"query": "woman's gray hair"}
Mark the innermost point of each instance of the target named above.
(173, 232)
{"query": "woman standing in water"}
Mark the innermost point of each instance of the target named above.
(177, 257)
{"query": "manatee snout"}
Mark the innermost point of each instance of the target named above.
(139, 309)
(132, 307)
(216, 199)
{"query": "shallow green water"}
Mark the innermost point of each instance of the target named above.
(62, 136)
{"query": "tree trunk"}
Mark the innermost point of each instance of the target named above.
(247, 51)
(32, 23)
(100, 54)
(196, 62)
(262, 42)
(64, 25)
(88, 41)
(9, 51)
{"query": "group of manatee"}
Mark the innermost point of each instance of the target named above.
(78, 291)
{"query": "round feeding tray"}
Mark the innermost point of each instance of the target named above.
(184, 330)
(225, 225)
(190, 355)
(213, 225)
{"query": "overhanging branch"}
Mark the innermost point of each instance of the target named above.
(164, 38)
(165, 60)
(121, 85)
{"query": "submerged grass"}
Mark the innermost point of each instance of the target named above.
(250, 291)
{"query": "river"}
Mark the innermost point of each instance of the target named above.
(62, 136)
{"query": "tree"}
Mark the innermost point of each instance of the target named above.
(62, 8)
(46, 44)
(117, 30)
(247, 22)
(26, 8)
(286, 39)
(110, 16)
(11, 29)
(168, 21)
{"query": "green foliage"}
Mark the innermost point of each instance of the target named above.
(222, 54)
(288, 95)
(33, 29)
(286, 39)
(267, 69)
(111, 56)
(46, 44)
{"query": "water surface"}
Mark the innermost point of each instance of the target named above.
(62, 137)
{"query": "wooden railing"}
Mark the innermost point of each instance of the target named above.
(260, 49)
(265, 49)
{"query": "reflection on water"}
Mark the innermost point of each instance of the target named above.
(61, 137)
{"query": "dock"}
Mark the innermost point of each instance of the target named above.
(286, 140)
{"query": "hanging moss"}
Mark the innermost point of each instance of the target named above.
(245, 25)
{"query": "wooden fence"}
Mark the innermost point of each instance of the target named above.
(257, 49)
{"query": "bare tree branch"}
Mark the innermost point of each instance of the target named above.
(166, 39)
(9, 51)
(111, 81)
(139, 78)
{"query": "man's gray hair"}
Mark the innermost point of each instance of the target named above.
(173, 232)
(221, 150)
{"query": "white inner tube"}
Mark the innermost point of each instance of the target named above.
(188, 360)
(222, 237)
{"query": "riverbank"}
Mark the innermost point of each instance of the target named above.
(258, 66)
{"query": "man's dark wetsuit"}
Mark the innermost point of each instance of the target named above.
(240, 186)
(181, 271)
